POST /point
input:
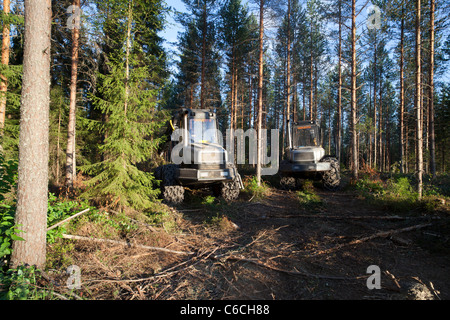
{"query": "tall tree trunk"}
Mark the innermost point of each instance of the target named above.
(288, 71)
(203, 71)
(339, 111)
(127, 58)
(260, 92)
(5, 62)
(375, 136)
(32, 188)
(311, 90)
(71, 146)
(353, 96)
(380, 125)
(419, 154)
(402, 97)
(431, 103)
(58, 146)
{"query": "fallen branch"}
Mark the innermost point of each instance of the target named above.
(292, 273)
(339, 217)
(73, 237)
(382, 234)
(66, 220)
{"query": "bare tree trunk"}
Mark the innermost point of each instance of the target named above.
(375, 136)
(353, 96)
(419, 155)
(402, 98)
(32, 188)
(203, 71)
(58, 147)
(260, 92)
(127, 58)
(311, 90)
(380, 126)
(71, 146)
(5, 62)
(431, 104)
(288, 71)
(339, 115)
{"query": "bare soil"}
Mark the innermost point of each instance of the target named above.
(274, 248)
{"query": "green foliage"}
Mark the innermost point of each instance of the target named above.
(308, 198)
(398, 194)
(58, 210)
(8, 230)
(253, 190)
(130, 140)
(370, 188)
(22, 284)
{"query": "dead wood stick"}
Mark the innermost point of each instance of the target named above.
(67, 219)
(293, 273)
(382, 234)
(314, 216)
(68, 236)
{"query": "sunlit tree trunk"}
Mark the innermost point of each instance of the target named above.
(5, 62)
(260, 92)
(71, 145)
(431, 103)
(419, 137)
(32, 187)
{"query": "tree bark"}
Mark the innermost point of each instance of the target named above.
(375, 136)
(5, 62)
(339, 115)
(353, 96)
(419, 155)
(70, 153)
(260, 92)
(431, 103)
(288, 71)
(402, 97)
(32, 188)
(203, 71)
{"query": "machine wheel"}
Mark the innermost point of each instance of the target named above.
(332, 178)
(227, 190)
(171, 191)
(287, 183)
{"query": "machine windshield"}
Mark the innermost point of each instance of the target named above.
(203, 131)
(306, 136)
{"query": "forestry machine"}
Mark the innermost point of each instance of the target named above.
(198, 159)
(306, 159)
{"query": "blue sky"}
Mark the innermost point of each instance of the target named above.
(172, 28)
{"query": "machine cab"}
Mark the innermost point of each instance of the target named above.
(305, 134)
(304, 143)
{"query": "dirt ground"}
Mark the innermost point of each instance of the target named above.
(274, 248)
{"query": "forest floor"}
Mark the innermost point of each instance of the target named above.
(275, 248)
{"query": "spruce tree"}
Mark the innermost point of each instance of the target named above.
(127, 96)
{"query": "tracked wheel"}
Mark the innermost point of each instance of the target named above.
(228, 190)
(287, 183)
(331, 179)
(171, 191)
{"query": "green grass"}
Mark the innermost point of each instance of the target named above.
(307, 197)
(253, 191)
(398, 193)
